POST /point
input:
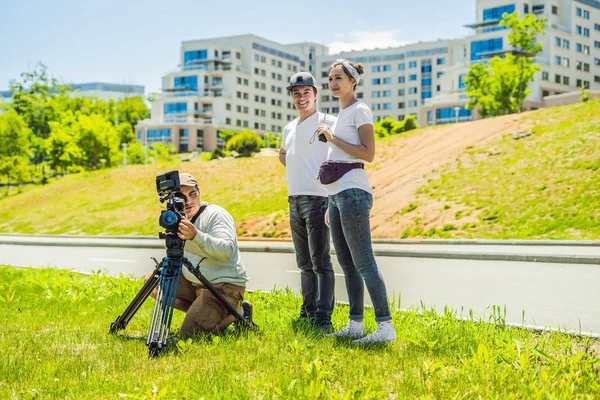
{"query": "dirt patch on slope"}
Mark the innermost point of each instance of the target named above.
(404, 165)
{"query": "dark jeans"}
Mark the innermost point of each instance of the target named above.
(311, 241)
(349, 214)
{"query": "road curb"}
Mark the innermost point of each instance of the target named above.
(286, 248)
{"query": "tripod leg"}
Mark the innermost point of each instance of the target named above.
(123, 319)
(158, 334)
(218, 295)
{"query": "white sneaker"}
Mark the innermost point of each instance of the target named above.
(353, 330)
(384, 333)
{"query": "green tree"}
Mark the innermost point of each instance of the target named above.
(500, 87)
(130, 110)
(14, 152)
(245, 143)
(522, 37)
(98, 140)
(30, 100)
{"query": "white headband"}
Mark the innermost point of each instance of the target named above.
(350, 69)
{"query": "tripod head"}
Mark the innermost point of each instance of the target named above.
(168, 188)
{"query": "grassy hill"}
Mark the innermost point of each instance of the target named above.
(463, 180)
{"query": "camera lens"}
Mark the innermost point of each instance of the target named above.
(169, 220)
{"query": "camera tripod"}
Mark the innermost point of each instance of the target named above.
(166, 277)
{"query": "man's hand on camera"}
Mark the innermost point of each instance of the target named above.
(187, 230)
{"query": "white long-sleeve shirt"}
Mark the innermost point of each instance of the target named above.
(217, 241)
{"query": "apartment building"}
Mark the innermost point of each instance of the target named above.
(235, 82)
(239, 82)
(570, 56)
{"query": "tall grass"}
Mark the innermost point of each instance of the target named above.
(54, 343)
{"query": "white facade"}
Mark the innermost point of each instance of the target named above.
(239, 82)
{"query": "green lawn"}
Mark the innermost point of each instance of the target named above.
(55, 344)
(545, 186)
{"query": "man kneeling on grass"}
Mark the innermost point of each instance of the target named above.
(210, 234)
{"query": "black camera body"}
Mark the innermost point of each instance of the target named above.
(322, 138)
(168, 188)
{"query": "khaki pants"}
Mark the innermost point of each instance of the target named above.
(206, 313)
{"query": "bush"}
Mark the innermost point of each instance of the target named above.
(245, 143)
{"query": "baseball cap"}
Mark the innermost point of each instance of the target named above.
(302, 79)
(186, 179)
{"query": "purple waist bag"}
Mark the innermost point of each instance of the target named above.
(331, 171)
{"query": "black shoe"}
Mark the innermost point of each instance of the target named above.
(324, 325)
(304, 321)
(247, 311)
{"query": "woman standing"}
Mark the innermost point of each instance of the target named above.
(352, 142)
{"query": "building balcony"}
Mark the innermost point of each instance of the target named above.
(483, 24)
(203, 96)
(189, 120)
(448, 98)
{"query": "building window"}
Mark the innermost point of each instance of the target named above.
(586, 14)
(441, 61)
(485, 46)
(375, 68)
(495, 14)
(376, 106)
(597, 27)
(596, 78)
(387, 81)
(545, 76)
(545, 93)
(412, 64)
(401, 67)
(359, 95)
(387, 68)
(538, 9)
(401, 105)
(376, 81)
(597, 61)
(375, 94)
(578, 48)
(557, 41)
(412, 77)
(401, 79)
(557, 78)
(412, 103)
(387, 106)
(555, 10)
(586, 32)
(461, 82)
(387, 93)
(565, 44)
(596, 44)
(557, 60)
(412, 90)
(565, 80)
(578, 12)
(578, 30)
(439, 74)
(402, 92)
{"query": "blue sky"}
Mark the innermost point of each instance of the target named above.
(137, 42)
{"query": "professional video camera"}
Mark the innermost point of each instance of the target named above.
(167, 272)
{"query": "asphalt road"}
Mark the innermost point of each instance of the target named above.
(561, 293)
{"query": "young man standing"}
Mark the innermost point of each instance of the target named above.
(302, 154)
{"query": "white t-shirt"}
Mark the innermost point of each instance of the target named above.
(346, 128)
(303, 158)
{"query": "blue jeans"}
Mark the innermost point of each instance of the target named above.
(349, 214)
(311, 241)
